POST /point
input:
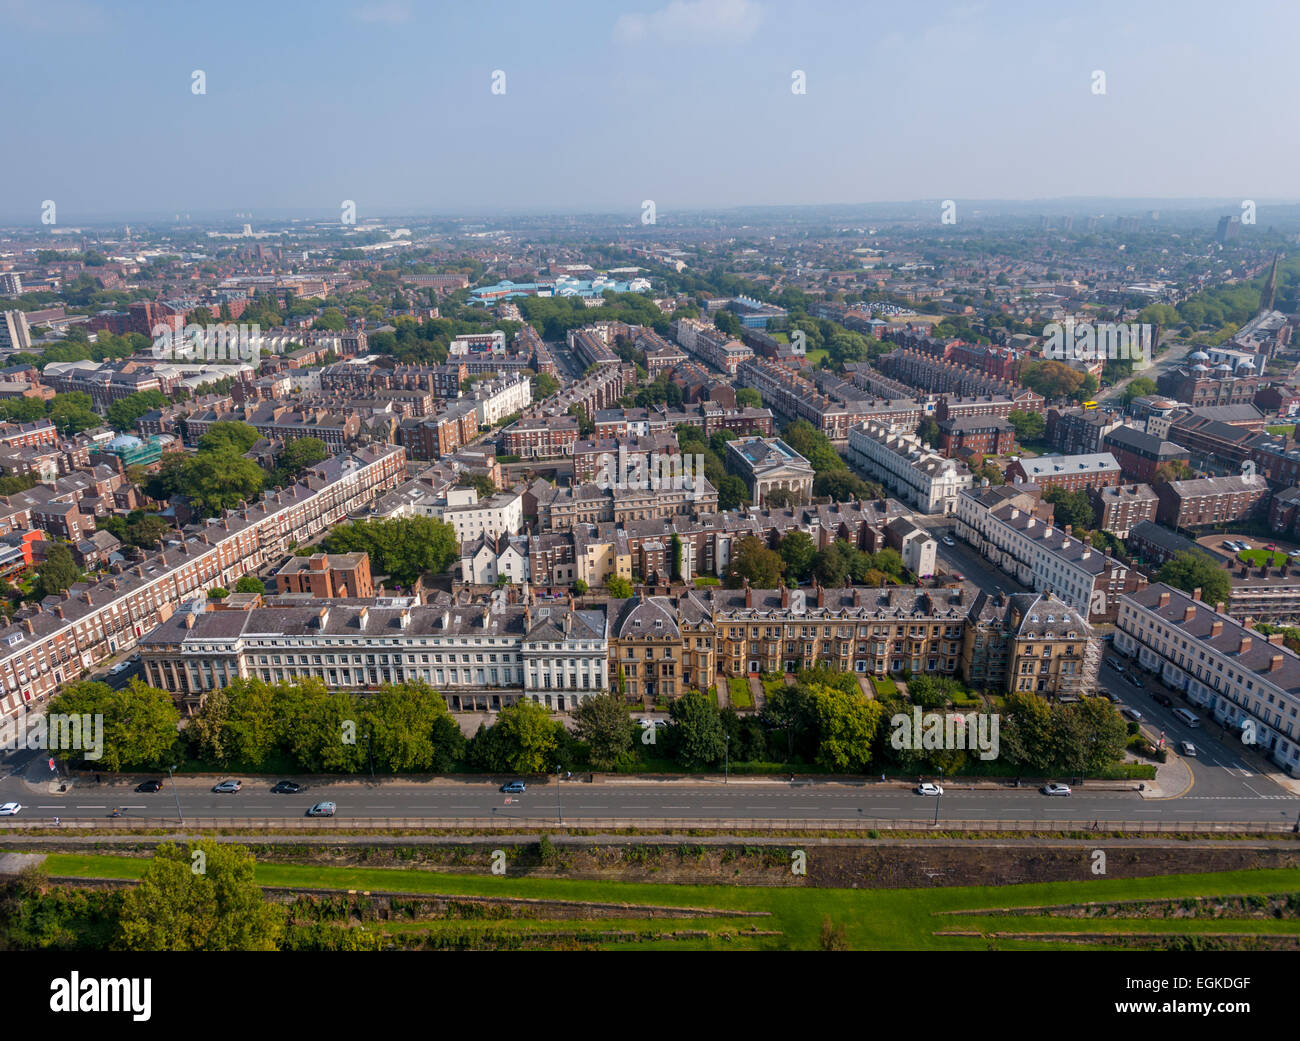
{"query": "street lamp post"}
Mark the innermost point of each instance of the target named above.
(726, 762)
(172, 778)
(559, 810)
(938, 798)
(370, 754)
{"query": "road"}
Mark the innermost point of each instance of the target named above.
(961, 559)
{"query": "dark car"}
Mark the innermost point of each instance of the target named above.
(1162, 699)
(149, 786)
(287, 788)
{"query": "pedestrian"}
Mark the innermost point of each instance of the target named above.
(56, 822)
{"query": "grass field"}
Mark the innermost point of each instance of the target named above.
(1282, 429)
(1274, 558)
(886, 919)
(815, 356)
(739, 693)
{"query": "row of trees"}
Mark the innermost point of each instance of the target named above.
(403, 548)
(797, 559)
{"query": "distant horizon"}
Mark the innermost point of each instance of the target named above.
(969, 208)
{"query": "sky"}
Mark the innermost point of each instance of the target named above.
(689, 103)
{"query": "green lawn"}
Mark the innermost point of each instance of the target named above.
(1282, 430)
(884, 686)
(1257, 557)
(874, 919)
(815, 356)
(739, 693)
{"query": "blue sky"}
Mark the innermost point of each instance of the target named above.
(688, 103)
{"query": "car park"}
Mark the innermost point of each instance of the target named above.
(10, 809)
(926, 788)
(1055, 789)
(228, 787)
(514, 787)
(322, 809)
(1187, 748)
(149, 786)
(287, 788)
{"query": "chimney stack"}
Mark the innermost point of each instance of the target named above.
(1189, 612)
(1275, 663)
(1196, 593)
(363, 616)
(1244, 646)
(1164, 600)
(1216, 627)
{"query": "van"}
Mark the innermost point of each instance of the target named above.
(1189, 718)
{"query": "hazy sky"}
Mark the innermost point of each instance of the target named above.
(689, 103)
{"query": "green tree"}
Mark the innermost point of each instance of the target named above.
(219, 908)
(403, 548)
(752, 560)
(1141, 387)
(1191, 570)
(1029, 426)
(229, 435)
(299, 454)
(57, 573)
(604, 724)
(748, 397)
(139, 722)
(250, 584)
(846, 725)
(1071, 507)
(618, 588)
(695, 735)
(732, 492)
(798, 552)
(123, 413)
(220, 480)
(524, 739)
(145, 530)
(407, 723)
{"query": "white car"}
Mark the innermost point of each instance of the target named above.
(9, 809)
(1187, 748)
(1056, 789)
(928, 789)
(948, 540)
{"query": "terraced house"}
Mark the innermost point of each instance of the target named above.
(482, 657)
(60, 638)
(1245, 681)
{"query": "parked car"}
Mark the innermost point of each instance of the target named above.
(1162, 699)
(514, 787)
(948, 540)
(10, 809)
(287, 788)
(121, 666)
(149, 786)
(927, 788)
(322, 809)
(1055, 789)
(227, 787)
(1131, 713)
(1187, 748)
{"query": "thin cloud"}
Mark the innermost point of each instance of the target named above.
(692, 21)
(395, 13)
(51, 16)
